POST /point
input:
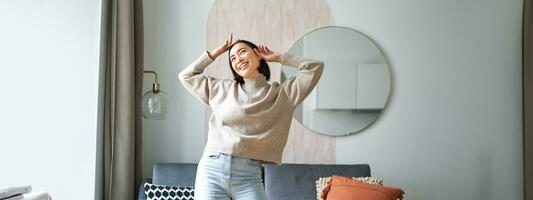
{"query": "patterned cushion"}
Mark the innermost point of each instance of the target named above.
(165, 192)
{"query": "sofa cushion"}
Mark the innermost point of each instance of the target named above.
(297, 181)
(323, 182)
(166, 192)
(140, 194)
(342, 188)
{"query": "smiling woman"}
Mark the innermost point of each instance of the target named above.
(245, 60)
(251, 117)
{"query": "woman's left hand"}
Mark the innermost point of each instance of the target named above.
(270, 56)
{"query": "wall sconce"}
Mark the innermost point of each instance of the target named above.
(154, 102)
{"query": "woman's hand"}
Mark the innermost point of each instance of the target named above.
(270, 56)
(222, 48)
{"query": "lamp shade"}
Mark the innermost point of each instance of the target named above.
(154, 104)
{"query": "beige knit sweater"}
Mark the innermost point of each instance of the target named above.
(251, 120)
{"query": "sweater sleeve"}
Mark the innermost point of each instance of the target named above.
(194, 81)
(309, 72)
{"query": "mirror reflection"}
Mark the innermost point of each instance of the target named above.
(354, 87)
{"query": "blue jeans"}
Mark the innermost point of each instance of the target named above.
(222, 176)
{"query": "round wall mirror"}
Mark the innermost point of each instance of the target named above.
(354, 87)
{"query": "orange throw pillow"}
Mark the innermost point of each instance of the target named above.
(345, 188)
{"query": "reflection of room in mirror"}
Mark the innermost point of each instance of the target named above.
(354, 87)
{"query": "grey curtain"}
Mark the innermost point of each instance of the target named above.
(120, 115)
(527, 81)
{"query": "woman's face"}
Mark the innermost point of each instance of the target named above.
(245, 61)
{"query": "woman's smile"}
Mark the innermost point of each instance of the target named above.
(243, 66)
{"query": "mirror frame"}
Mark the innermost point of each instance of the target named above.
(387, 100)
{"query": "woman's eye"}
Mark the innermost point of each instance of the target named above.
(243, 51)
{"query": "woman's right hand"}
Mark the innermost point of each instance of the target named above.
(222, 48)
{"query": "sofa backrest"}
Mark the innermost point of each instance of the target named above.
(182, 174)
(298, 181)
(286, 181)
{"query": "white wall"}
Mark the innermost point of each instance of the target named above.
(452, 129)
(49, 65)
(175, 35)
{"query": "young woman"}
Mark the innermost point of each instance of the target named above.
(251, 118)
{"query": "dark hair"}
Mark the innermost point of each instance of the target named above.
(263, 65)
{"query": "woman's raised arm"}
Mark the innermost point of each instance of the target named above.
(192, 77)
(309, 72)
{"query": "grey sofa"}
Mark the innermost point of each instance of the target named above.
(286, 181)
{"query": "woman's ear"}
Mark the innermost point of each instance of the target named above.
(256, 52)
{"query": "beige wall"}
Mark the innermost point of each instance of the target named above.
(291, 19)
